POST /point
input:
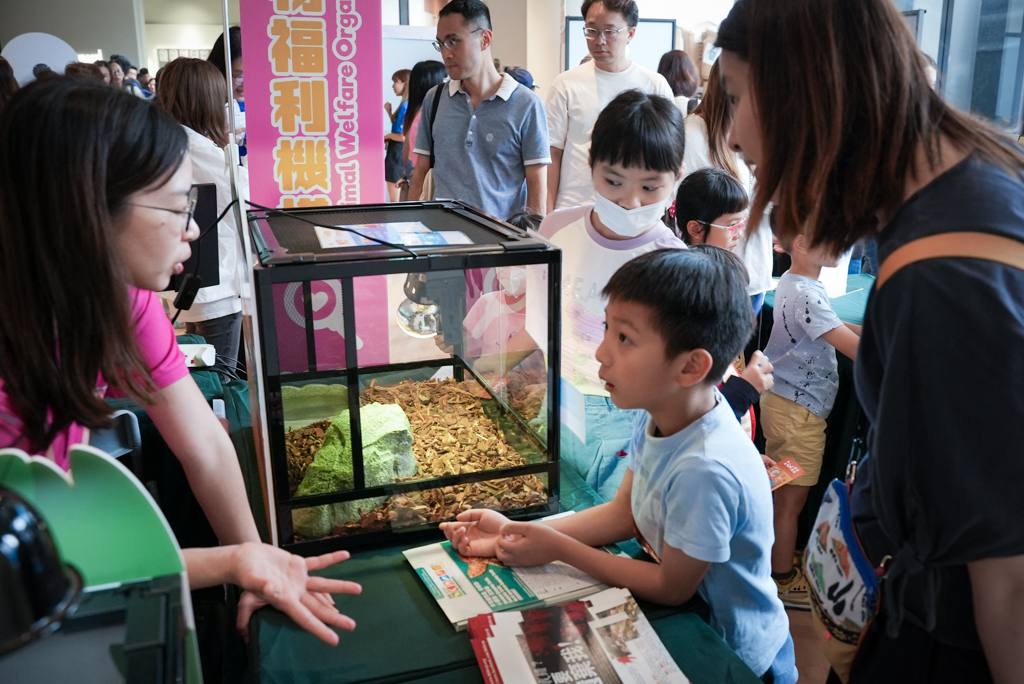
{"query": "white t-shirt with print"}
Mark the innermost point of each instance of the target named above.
(588, 263)
(575, 99)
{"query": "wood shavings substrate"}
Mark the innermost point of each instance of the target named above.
(451, 436)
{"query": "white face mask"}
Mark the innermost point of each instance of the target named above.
(628, 223)
(512, 280)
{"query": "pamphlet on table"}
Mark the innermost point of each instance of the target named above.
(603, 639)
(466, 587)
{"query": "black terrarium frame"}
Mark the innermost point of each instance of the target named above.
(511, 248)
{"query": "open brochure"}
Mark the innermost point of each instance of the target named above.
(784, 472)
(604, 639)
(467, 587)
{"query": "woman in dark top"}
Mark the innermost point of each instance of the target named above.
(833, 107)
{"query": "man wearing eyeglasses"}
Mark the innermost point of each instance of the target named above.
(489, 138)
(578, 95)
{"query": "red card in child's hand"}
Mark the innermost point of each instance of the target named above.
(783, 472)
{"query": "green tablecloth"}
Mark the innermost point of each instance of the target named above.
(402, 635)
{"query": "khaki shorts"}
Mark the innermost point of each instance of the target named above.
(791, 431)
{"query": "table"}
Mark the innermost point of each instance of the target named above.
(402, 635)
(847, 418)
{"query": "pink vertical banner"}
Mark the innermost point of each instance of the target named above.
(314, 81)
(315, 136)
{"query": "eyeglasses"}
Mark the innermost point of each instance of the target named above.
(608, 34)
(193, 196)
(452, 43)
(734, 228)
(237, 78)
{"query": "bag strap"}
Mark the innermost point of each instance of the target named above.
(433, 118)
(965, 245)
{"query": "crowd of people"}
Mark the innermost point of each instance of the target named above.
(664, 207)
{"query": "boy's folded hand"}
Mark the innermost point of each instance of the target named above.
(475, 532)
(522, 544)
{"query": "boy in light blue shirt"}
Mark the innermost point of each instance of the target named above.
(696, 493)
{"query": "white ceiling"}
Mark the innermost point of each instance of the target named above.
(188, 11)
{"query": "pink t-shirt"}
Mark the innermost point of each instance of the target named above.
(155, 337)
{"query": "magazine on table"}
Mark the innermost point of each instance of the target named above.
(602, 639)
(465, 587)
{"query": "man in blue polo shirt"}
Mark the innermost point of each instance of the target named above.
(490, 134)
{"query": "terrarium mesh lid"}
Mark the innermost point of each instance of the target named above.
(299, 237)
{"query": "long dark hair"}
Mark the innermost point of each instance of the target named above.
(842, 155)
(8, 84)
(424, 76)
(194, 93)
(216, 57)
(71, 154)
(714, 109)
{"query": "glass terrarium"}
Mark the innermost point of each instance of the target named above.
(406, 367)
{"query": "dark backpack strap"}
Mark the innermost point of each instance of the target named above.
(433, 118)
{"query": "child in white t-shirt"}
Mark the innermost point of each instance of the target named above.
(695, 493)
(802, 346)
(636, 158)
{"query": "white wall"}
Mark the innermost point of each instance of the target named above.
(510, 32)
(687, 14)
(544, 41)
(178, 36)
(87, 26)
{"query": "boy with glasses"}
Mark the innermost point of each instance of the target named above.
(578, 95)
(484, 133)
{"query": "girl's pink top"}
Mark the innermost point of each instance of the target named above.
(156, 340)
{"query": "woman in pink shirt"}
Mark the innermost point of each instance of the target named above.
(96, 205)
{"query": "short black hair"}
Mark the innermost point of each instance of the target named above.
(705, 195)
(627, 8)
(638, 130)
(472, 11)
(698, 301)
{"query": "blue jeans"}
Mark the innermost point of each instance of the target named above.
(783, 668)
(601, 462)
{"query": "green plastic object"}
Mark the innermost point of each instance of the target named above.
(387, 455)
(104, 523)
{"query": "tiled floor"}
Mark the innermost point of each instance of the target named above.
(810, 661)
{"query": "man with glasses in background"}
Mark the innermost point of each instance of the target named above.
(489, 137)
(578, 95)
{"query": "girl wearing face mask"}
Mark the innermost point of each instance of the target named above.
(636, 157)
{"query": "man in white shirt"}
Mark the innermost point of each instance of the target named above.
(577, 96)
